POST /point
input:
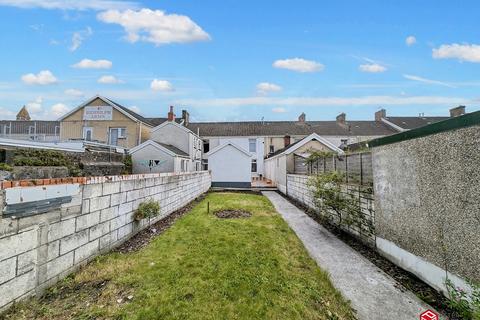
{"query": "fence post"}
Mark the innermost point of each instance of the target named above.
(361, 170)
(346, 168)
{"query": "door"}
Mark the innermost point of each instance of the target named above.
(87, 133)
(114, 136)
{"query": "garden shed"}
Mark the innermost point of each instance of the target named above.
(230, 165)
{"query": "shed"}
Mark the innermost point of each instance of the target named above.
(282, 162)
(155, 157)
(230, 166)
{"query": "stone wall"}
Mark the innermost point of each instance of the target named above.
(360, 225)
(427, 192)
(38, 250)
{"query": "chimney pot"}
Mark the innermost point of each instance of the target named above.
(457, 111)
(302, 117)
(171, 115)
(286, 140)
(382, 113)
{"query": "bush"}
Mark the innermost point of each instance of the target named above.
(465, 305)
(147, 209)
(5, 167)
(127, 162)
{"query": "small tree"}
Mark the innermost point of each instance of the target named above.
(147, 209)
(327, 194)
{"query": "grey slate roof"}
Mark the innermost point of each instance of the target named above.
(173, 149)
(281, 128)
(414, 122)
(22, 127)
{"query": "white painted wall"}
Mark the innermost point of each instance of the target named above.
(276, 170)
(229, 165)
(242, 142)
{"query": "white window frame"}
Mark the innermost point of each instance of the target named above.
(252, 142)
(120, 130)
(254, 161)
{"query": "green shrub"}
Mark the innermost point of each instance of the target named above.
(147, 209)
(5, 167)
(464, 304)
(127, 161)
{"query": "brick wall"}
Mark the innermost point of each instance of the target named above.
(361, 225)
(38, 250)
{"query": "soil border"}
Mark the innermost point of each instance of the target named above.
(406, 279)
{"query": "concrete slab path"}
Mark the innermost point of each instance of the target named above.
(373, 294)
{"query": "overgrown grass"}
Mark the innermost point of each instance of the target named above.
(201, 268)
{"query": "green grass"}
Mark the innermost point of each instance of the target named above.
(203, 267)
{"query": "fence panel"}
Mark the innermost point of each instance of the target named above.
(355, 167)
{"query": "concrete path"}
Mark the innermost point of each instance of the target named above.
(372, 292)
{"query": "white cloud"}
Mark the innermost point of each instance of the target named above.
(155, 26)
(299, 65)
(279, 110)
(93, 64)
(44, 77)
(109, 80)
(265, 88)
(161, 85)
(372, 68)
(58, 110)
(78, 38)
(7, 114)
(462, 52)
(69, 4)
(428, 81)
(35, 107)
(74, 93)
(324, 101)
(135, 109)
(410, 40)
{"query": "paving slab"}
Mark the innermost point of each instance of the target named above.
(373, 293)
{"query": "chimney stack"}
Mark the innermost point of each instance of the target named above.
(185, 117)
(382, 113)
(341, 118)
(171, 115)
(458, 111)
(302, 117)
(286, 140)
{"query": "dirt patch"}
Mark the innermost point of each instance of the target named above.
(407, 280)
(145, 236)
(232, 214)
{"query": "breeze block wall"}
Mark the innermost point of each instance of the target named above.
(360, 226)
(50, 227)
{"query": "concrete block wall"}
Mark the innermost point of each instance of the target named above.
(36, 251)
(361, 226)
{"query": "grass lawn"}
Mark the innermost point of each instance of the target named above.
(203, 267)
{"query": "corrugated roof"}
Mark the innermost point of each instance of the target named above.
(280, 128)
(23, 127)
(414, 122)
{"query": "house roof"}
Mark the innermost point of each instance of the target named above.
(228, 143)
(281, 128)
(22, 127)
(297, 144)
(173, 151)
(127, 112)
(409, 123)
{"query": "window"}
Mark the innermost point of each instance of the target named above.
(252, 145)
(117, 133)
(206, 146)
(271, 149)
(254, 165)
(205, 164)
(87, 133)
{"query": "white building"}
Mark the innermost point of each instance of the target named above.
(230, 165)
(171, 148)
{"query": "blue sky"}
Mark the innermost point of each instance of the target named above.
(241, 60)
